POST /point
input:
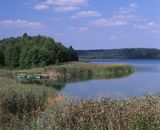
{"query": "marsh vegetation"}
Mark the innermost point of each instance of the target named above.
(38, 107)
(24, 103)
(30, 105)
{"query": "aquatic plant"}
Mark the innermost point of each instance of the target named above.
(84, 70)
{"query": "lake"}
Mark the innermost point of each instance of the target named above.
(145, 80)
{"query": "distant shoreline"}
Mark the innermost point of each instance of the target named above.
(86, 60)
(120, 54)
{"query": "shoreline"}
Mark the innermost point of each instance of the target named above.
(70, 70)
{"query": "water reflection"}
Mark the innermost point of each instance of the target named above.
(60, 84)
(146, 80)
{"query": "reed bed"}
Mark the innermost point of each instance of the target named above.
(26, 105)
(130, 114)
(141, 113)
(22, 100)
(72, 70)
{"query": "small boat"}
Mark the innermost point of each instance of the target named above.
(35, 76)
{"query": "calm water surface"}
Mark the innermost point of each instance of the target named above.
(146, 80)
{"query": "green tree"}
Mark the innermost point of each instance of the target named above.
(25, 60)
(2, 59)
(38, 57)
(9, 56)
(33, 51)
(72, 54)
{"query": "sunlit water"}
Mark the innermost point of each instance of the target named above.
(146, 80)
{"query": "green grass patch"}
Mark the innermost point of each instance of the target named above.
(22, 100)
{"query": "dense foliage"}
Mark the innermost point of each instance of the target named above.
(32, 51)
(132, 53)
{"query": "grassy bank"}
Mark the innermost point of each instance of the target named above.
(61, 74)
(36, 106)
(21, 101)
(82, 70)
(129, 114)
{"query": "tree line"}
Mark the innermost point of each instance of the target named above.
(34, 51)
(127, 53)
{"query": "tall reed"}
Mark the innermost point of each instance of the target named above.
(18, 100)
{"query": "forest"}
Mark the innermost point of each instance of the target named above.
(34, 51)
(126, 53)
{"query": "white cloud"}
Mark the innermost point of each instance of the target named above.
(61, 5)
(81, 29)
(125, 16)
(86, 14)
(146, 26)
(150, 26)
(41, 7)
(22, 24)
(109, 22)
(65, 8)
(127, 10)
(66, 2)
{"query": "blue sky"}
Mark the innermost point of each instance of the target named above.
(85, 24)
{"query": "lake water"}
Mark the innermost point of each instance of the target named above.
(146, 80)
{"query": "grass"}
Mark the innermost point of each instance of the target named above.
(105, 114)
(81, 69)
(129, 114)
(37, 107)
(22, 100)
(70, 72)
